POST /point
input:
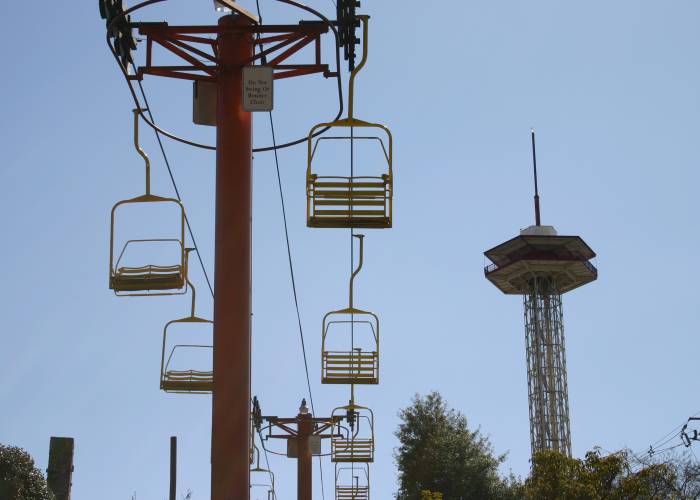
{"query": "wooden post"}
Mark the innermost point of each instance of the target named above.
(173, 467)
(60, 470)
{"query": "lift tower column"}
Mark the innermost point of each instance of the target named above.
(230, 444)
(218, 55)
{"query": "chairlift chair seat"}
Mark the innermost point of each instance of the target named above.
(351, 492)
(191, 381)
(148, 277)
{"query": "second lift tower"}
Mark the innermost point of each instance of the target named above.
(540, 265)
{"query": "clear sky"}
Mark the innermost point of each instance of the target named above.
(612, 89)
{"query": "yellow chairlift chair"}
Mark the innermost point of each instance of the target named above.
(264, 482)
(353, 364)
(351, 201)
(185, 381)
(352, 482)
(149, 278)
(354, 441)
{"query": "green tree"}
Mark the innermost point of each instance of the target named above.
(439, 453)
(19, 477)
(683, 471)
(617, 476)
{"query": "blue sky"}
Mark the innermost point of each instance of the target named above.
(611, 88)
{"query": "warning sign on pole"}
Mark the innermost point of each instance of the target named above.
(257, 88)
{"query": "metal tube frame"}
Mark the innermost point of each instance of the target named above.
(546, 368)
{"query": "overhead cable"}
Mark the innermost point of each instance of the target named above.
(125, 71)
(177, 191)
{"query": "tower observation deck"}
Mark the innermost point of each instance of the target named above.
(540, 265)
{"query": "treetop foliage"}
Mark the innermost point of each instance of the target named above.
(439, 457)
(617, 476)
(19, 477)
(440, 454)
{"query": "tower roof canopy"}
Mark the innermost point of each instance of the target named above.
(557, 247)
(562, 259)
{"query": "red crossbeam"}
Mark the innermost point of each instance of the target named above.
(179, 40)
(196, 63)
(304, 27)
(292, 50)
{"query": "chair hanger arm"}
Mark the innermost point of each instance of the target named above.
(140, 151)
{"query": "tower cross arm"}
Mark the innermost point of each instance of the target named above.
(320, 425)
(200, 52)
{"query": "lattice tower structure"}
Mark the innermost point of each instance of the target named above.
(541, 266)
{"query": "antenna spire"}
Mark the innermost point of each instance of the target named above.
(534, 167)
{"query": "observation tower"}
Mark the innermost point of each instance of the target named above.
(541, 265)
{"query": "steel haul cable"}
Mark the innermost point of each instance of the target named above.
(294, 289)
(177, 191)
(665, 439)
(291, 270)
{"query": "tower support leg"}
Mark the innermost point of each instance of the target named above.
(546, 369)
